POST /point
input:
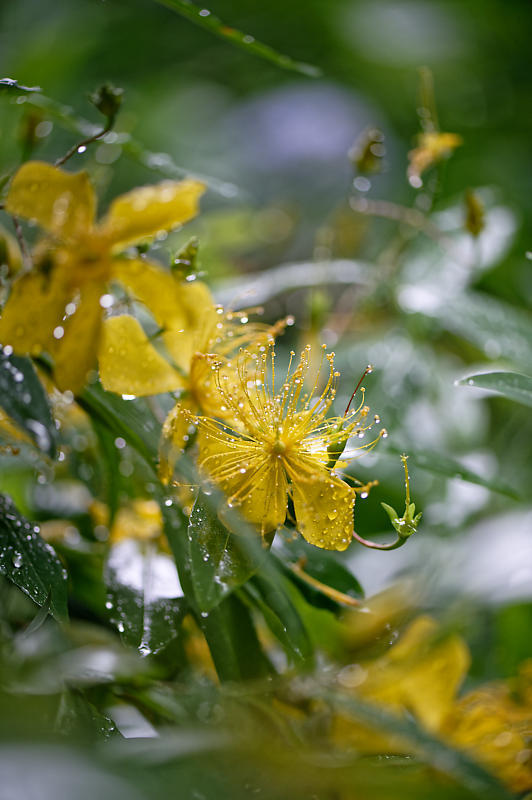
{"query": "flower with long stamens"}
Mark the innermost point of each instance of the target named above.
(282, 446)
(57, 306)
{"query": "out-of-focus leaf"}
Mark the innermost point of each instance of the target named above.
(442, 464)
(161, 163)
(201, 16)
(512, 385)
(217, 564)
(23, 399)
(144, 596)
(300, 275)
(129, 419)
(498, 329)
(29, 562)
(10, 85)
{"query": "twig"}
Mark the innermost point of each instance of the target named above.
(334, 594)
(89, 140)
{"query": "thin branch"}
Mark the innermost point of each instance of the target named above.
(84, 142)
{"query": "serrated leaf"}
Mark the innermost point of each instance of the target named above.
(144, 597)
(201, 16)
(513, 385)
(29, 562)
(217, 564)
(24, 400)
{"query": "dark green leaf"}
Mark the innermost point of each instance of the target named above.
(111, 466)
(233, 642)
(321, 565)
(29, 562)
(274, 600)
(217, 563)
(205, 19)
(129, 419)
(24, 400)
(144, 597)
(512, 385)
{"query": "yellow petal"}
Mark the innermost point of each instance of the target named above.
(10, 432)
(420, 674)
(173, 438)
(130, 364)
(63, 203)
(75, 352)
(144, 212)
(323, 506)
(181, 308)
(252, 479)
(35, 308)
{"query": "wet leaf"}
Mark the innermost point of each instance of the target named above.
(29, 562)
(203, 17)
(144, 599)
(23, 399)
(513, 385)
(217, 564)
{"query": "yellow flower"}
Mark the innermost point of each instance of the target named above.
(281, 444)
(56, 307)
(192, 328)
(433, 146)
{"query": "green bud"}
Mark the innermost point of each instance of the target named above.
(107, 99)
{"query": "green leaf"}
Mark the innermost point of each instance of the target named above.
(29, 562)
(161, 163)
(201, 16)
(217, 564)
(24, 400)
(323, 566)
(233, 642)
(275, 601)
(497, 328)
(512, 385)
(111, 466)
(144, 597)
(442, 464)
(129, 419)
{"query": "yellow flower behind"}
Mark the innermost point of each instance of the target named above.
(432, 147)
(56, 307)
(280, 445)
(421, 675)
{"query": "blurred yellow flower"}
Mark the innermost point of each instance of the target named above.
(57, 307)
(281, 444)
(421, 675)
(432, 147)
